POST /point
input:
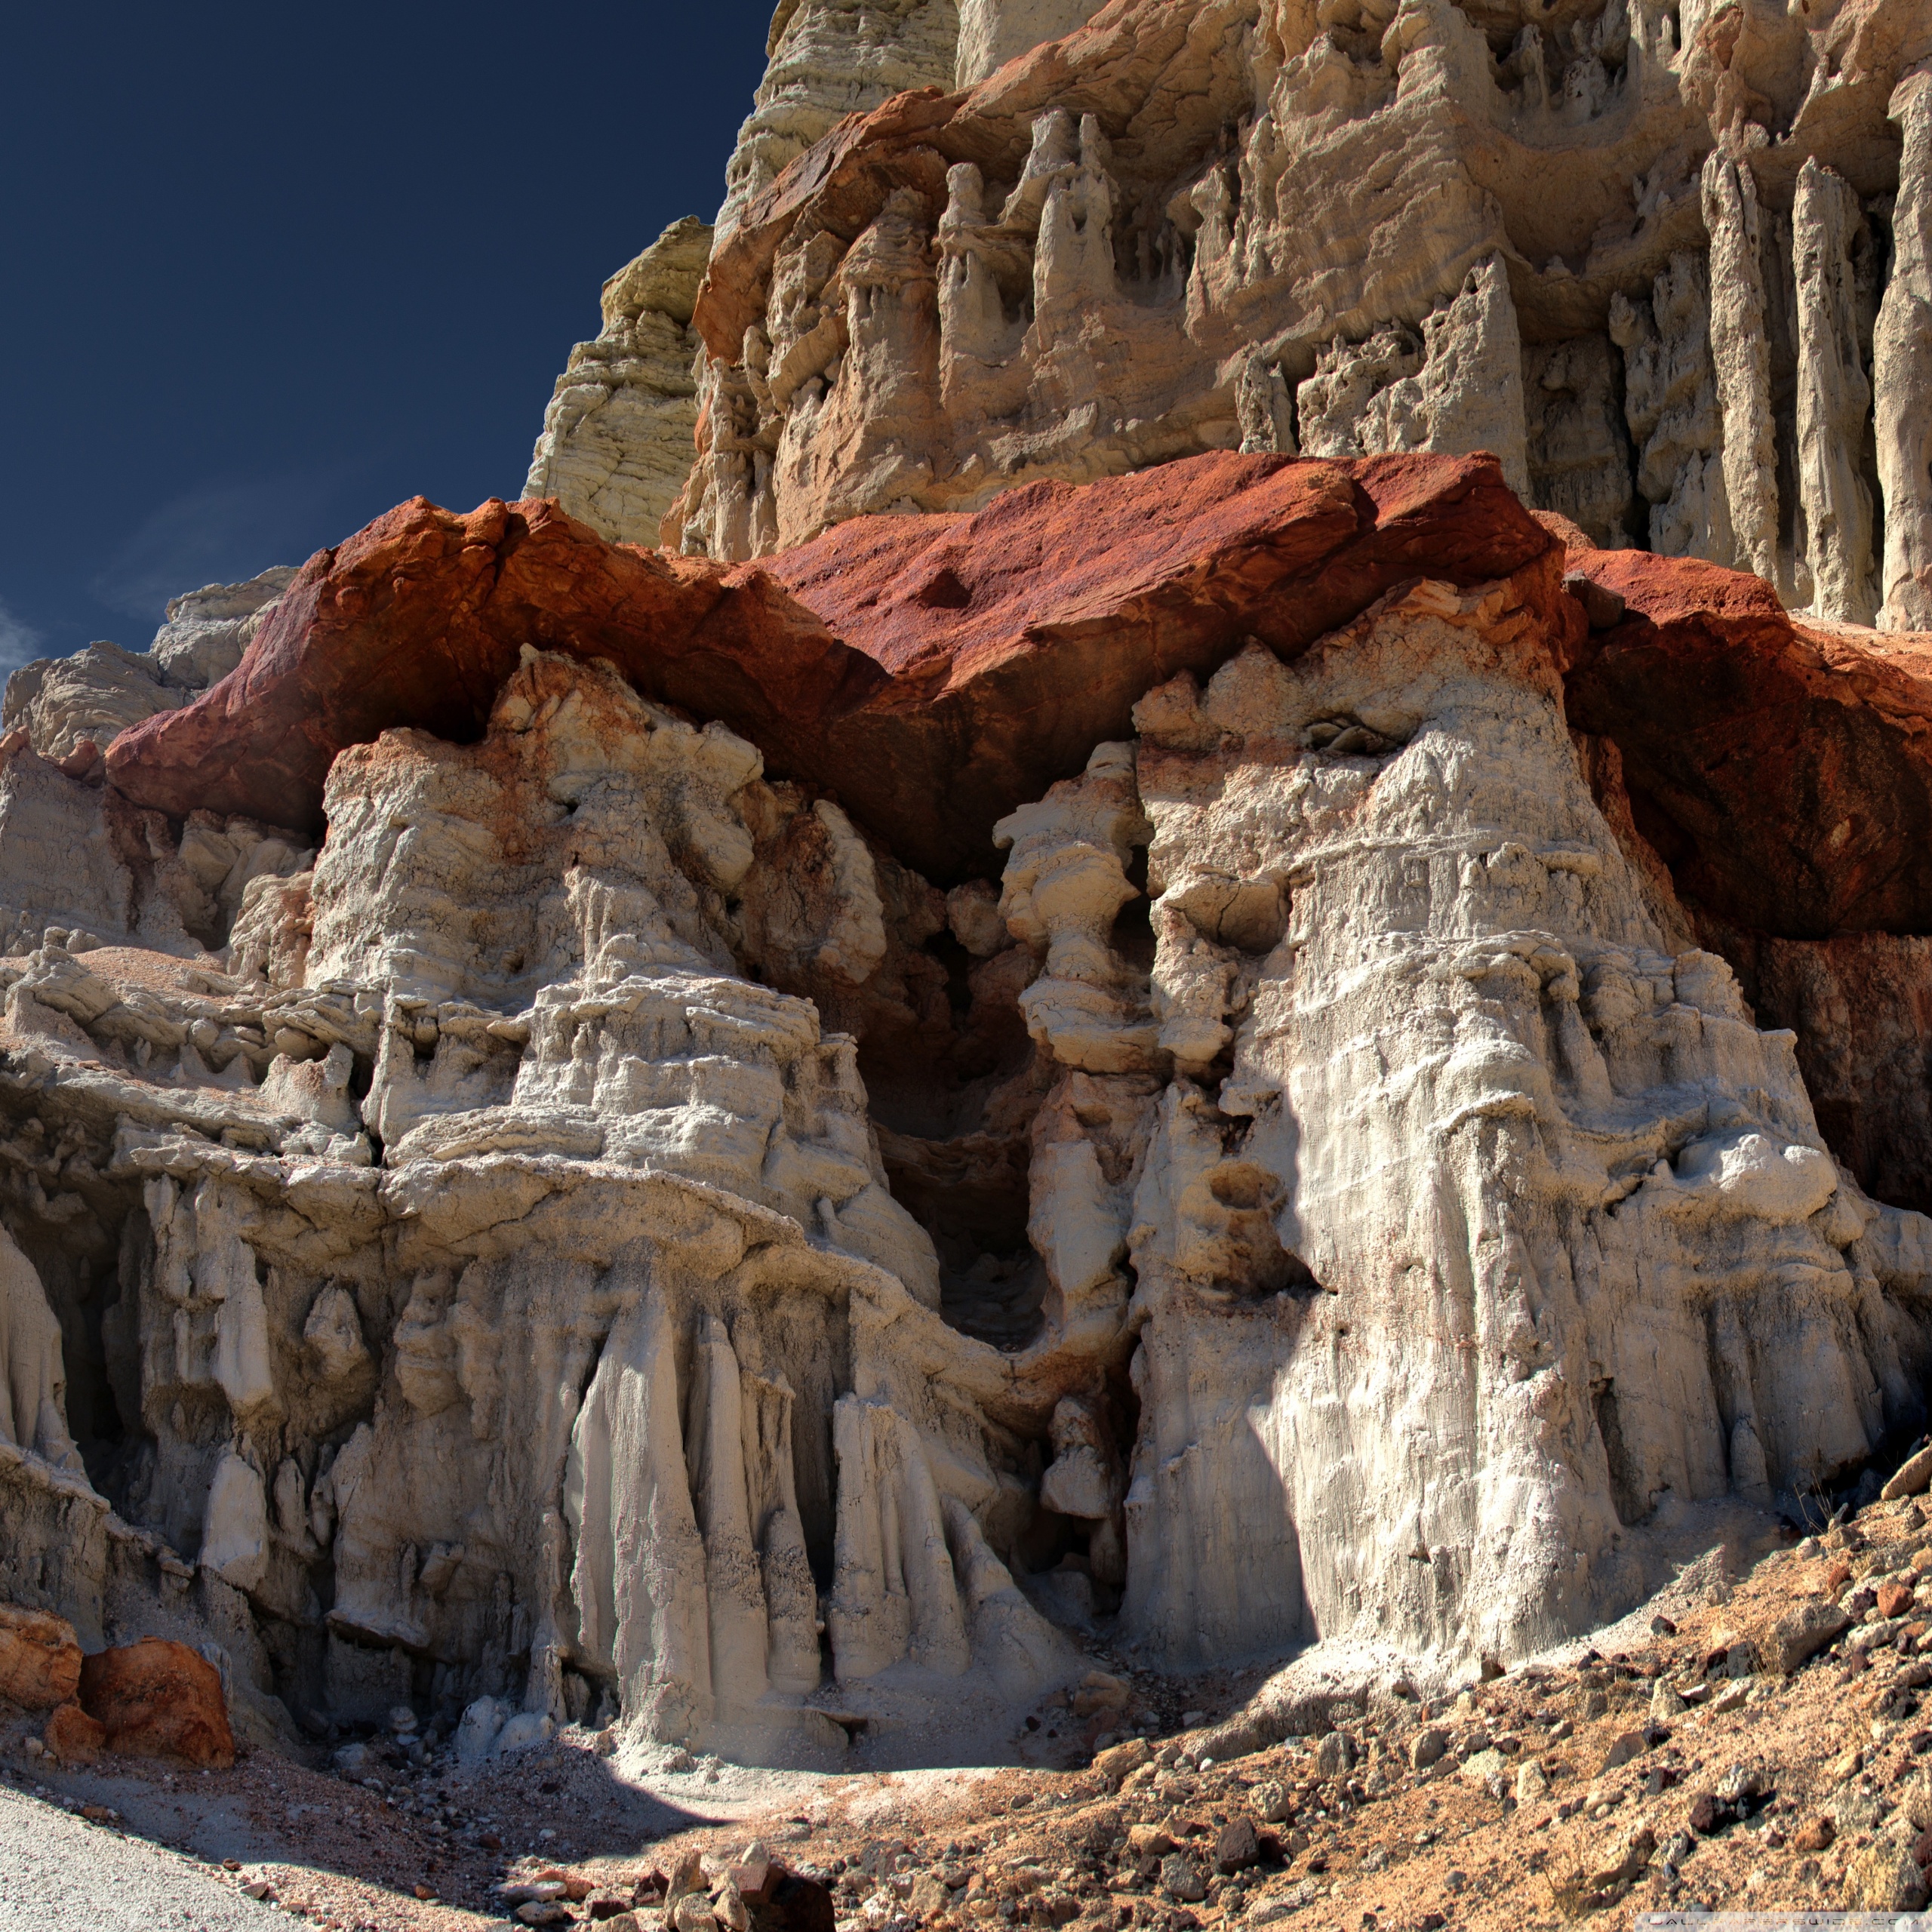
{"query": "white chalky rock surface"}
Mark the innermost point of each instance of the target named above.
(597, 1237)
(507, 1259)
(1671, 273)
(616, 437)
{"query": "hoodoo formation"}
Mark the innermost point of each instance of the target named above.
(1176, 881)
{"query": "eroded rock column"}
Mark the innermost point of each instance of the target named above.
(1670, 402)
(1902, 373)
(1833, 399)
(1741, 354)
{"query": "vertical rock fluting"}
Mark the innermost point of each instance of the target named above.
(1834, 399)
(1670, 399)
(1121, 282)
(1460, 387)
(1360, 1214)
(1337, 1333)
(1740, 349)
(1901, 372)
(1578, 443)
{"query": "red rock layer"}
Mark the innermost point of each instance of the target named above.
(932, 672)
(1783, 769)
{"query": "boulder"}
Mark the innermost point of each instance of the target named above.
(73, 1737)
(788, 1901)
(1913, 1477)
(1884, 1878)
(40, 1658)
(1803, 1631)
(158, 1699)
(1118, 1760)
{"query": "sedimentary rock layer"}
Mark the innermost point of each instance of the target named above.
(1629, 244)
(904, 663)
(615, 441)
(608, 1233)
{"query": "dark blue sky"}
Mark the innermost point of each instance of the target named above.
(268, 270)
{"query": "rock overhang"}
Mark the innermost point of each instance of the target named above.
(928, 717)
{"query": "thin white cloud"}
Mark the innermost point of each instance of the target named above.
(20, 642)
(221, 533)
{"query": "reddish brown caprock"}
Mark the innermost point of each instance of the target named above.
(932, 672)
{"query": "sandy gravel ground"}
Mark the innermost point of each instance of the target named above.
(60, 1873)
(1569, 1788)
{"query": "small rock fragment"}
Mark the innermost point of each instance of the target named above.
(1709, 1814)
(1180, 1878)
(1270, 1802)
(693, 1913)
(1913, 1478)
(40, 1658)
(1238, 1847)
(1625, 1859)
(727, 1908)
(1240, 1739)
(1115, 1763)
(1602, 606)
(73, 1737)
(1816, 1834)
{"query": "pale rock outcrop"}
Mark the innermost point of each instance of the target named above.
(1578, 445)
(1460, 388)
(524, 964)
(609, 1240)
(207, 630)
(1670, 399)
(616, 438)
(1740, 351)
(1564, 1044)
(1834, 398)
(1901, 372)
(80, 868)
(1064, 886)
(235, 1536)
(828, 59)
(991, 32)
(1429, 231)
(64, 704)
(33, 1384)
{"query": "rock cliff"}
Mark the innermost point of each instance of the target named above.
(615, 441)
(1661, 261)
(1231, 948)
(744, 1145)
